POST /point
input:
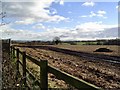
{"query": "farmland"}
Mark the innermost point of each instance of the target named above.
(92, 48)
(93, 70)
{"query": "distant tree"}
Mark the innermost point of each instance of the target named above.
(56, 40)
(73, 43)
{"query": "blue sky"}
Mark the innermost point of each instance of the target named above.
(45, 20)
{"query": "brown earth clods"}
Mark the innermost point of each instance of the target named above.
(98, 72)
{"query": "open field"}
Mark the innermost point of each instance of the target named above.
(94, 70)
(92, 48)
(88, 48)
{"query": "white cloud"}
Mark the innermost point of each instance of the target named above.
(8, 32)
(84, 16)
(116, 7)
(99, 13)
(88, 4)
(61, 2)
(93, 26)
(32, 12)
(26, 21)
(84, 31)
(45, 18)
(39, 26)
(40, 11)
(92, 14)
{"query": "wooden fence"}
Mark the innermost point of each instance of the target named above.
(6, 45)
(44, 70)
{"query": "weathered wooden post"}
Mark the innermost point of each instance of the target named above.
(9, 43)
(43, 75)
(13, 52)
(11, 48)
(24, 68)
(17, 64)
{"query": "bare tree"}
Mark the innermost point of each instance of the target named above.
(56, 40)
(2, 15)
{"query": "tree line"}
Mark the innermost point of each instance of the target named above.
(57, 41)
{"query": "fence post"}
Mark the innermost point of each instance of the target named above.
(9, 41)
(43, 75)
(24, 68)
(13, 52)
(17, 63)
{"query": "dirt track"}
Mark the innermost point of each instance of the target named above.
(101, 73)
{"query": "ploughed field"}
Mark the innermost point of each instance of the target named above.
(92, 48)
(82, 62)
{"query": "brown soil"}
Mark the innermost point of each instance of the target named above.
(92, 48)
(100, 73)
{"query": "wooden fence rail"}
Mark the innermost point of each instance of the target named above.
(44, 70)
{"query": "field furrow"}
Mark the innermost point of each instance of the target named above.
(101, 73)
